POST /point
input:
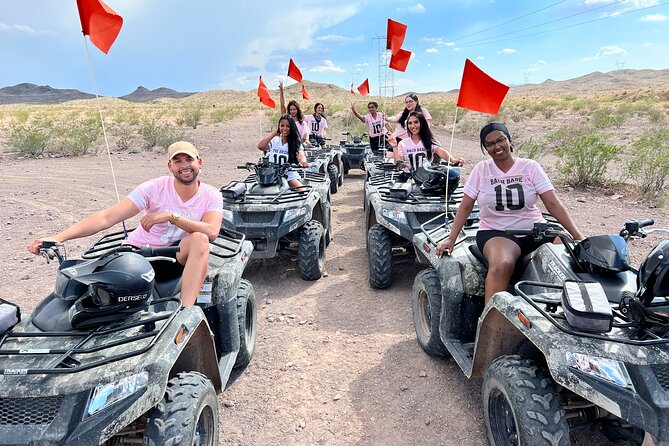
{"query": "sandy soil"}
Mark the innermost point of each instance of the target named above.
(337, 362)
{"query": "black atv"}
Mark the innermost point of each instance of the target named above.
(111, 356)
(580, 342)
(396, 204)
(328, 158)
(356, 151)
(279, 219)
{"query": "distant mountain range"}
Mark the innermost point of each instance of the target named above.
(590, 83)
(43, 94)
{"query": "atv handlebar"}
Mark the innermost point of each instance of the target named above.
(633, 228)
(162, 251)
(541, 230)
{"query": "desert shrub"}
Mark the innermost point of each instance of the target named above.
(191, 116)
(605, 117)
(22, 116)
(530, 149)
(222, 114)
(126, 136)
(649, 165)
(584, 154)
(75, 137)
(29, 140)
(158, 133)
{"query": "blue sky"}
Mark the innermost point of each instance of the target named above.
(201, 45)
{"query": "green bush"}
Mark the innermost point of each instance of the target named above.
(530, 149)
(650, 161)
(29, 140)
(584, 154)
(191, 116)
(76, 137)
(158, 133)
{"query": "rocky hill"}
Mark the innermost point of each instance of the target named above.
(143, 94)
(39, 94)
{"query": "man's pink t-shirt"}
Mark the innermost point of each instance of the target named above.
(377, 126)
(507, 200)
(159, 195)
(402, 132)
(415, 153)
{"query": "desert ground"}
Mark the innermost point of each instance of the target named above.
(337, 362)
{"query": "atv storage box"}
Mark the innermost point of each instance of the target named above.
(586, 306)
(10, 315)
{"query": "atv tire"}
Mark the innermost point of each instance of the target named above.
(426, 307)
(380, 253)
(311, 252)
(327, 222)
(340, 172)
(333, 174)
(247, 311)
(347, 166)
(521, 405)
(187, 414)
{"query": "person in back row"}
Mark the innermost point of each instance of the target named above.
(177, 209)
(410, 104)
(283, 146)
(421, 145)
(318, 124)
(296, 113)
(376, 124)
(506, 189)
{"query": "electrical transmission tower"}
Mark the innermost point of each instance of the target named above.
(527, 76)
(386, 75)
(620, 65)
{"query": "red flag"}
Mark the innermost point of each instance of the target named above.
(364, 88)
(305, 93)
(395, 36)
(480, 92)
(400, 60)
(294, 72)
(352, 91)
(99, 22)
(264, 96)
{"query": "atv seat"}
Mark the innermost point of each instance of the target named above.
(168, 277)
(521, 264)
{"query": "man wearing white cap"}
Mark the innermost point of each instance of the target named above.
(176, 209)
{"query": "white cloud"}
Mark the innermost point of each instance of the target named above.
(480, 58)
(610, 50)
(335, 38)
(437, 41)
(327, 67)
(506, 51)
(25, 29)
(653, 18)
(362, 64)
(418, 8)
(537, 66)
(432, 50)
(647, 44)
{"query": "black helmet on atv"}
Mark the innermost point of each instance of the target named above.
(653, 277)
(268, 173)
(120, 285)
(435, 183)
(603, 253)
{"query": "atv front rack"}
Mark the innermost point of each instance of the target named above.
(228, 244)
(416, 197)
(624, 331)
(89, 349)
(291, 195)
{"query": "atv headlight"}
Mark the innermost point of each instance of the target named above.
(228, 215)
(396, 215)
(292, 214)
(609, 370)
(105, 395)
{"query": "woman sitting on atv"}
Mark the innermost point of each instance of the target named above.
(295, 112)
(283, 146)
(317, 123)
(506, 189)
(410, 105)
(421, 144)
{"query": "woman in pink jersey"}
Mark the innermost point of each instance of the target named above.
(376, 124)
(296, 113)
(506, 189)
(421, 145)
(410, 104)
(317, 123)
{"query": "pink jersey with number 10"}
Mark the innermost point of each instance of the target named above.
(507, 200)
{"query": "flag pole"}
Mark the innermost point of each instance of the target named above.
(104, 130)
(448, 168)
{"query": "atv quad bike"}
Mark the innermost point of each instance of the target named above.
(357, 152)
(279, 219)
(111, 357)
(396, 204)
(330, 157)
(581, 340)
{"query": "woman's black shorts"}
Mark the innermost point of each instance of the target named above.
(526, 243)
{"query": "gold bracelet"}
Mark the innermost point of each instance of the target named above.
(174, 218)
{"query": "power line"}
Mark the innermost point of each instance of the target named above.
(508, 21)
(497, 39)
(466, 44)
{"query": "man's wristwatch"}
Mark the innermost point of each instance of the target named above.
(174, 218)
